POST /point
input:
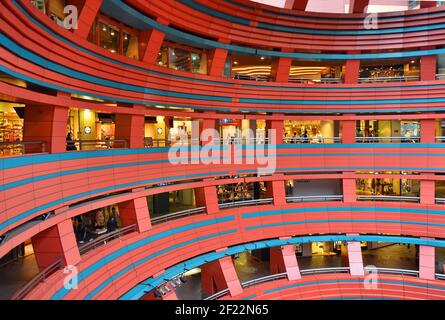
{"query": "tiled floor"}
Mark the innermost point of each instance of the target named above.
(15, 275)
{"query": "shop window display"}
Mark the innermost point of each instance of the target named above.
(241, 191)
(315, 131)
(388, 187)
(93, 224)
(11, 129)
(182, 58)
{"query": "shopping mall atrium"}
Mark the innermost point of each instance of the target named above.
(222, 150)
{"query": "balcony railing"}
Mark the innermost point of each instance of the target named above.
(387, 139)
(315, 80)
(306, 272)
(153, 143)
(389, 79)
(262, 78)
(440, 76)
(96, 144)
(440, 200)
(21, 147)
(244, 203)
(312, 140)
(177, 215)
(43, 275)
(314, 198)
(388, 198)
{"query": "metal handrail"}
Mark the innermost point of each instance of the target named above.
(44, 274)
(103, 239)
(388, 79)
(152, 143)
(100, 144)
(23, 144)
(239, 76)
(389, 198)
(245, 203)
(440, 200)
(41, 277)
(392, 139)
(177, 215)
(314, 198)
(315, 80)
(272, 277)
(440, 76)
(313, 140)
(440, 139)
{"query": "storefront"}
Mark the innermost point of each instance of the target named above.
(179, 57)
(241, 191)
(11, 127)
(388, 186)
(409, 129)
(88, 126)
(387, 71)
(313, 131)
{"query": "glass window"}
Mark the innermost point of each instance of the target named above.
(109, 37)
(179, 59)
(131, 47)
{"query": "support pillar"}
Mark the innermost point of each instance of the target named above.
(348, 131)
(428, 67)
(87, 16)
(427, 262)
(428, 130)
(427, 4)
(131, 127)
(277, 191)
(47, 124)
(352, 70)
(278, 126)
(296, 4)
(283, 259)
(207, 197)
(216, 62)
(358, 6)
(427, 190)
(150, 43)
(219, 275)
(355, 258)
(207, 131)
(280, 69)
(135, 212)
(349, 190)
(54, 243)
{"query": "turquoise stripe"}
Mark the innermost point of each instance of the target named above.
(28, 213)
(136, 245)
(289, 223)
(327, 209)
(178, 269)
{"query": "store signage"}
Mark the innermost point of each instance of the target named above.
(229, 122)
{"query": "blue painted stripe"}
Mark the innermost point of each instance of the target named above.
(290, 223)
(48, 205)
(143, 242)
(151, 283)
(359, 281)
(328, 209)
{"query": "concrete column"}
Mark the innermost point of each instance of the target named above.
(130, 127)
(280, 69)
(216, 60)
(358, 6)
(355, 258)
(427, 190)
(427, 4)
(428, 130)
(296, 4)
(277, 191)
(87, 16)
(427, 261)
(278, 126)
(219, 275)
(349, 190)
(348, 131)
(208, 126)
(47, 124)
(283, 259)
(135, 212)
(352, 70)
(54, 243)
(428, 67)
(207, 197)
(150, 43)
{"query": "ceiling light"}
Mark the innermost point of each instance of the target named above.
(262, 58)
(235, 62)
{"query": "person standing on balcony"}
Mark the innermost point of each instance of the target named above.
(70, 144)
